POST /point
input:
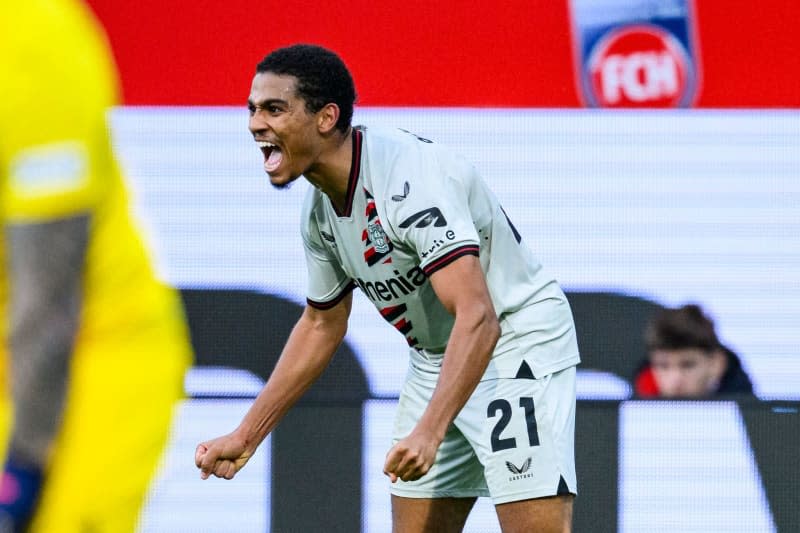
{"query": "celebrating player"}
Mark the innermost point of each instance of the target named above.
(488, 405)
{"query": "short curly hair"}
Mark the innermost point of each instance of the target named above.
(322, 78)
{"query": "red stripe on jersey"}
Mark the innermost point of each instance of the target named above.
(392, 312)
(403, 326)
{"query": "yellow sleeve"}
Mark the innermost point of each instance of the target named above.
(55, 158)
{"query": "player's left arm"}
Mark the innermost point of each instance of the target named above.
(461, 287)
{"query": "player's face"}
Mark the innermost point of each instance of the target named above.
(687, 373)
(283, 128)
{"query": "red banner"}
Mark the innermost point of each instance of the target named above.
(519, 53)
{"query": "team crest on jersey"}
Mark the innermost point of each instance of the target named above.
(378, 237)
(635, 53)
(378, 245)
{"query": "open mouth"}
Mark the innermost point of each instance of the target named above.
(272, 155)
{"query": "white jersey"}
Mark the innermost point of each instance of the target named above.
(412, 208)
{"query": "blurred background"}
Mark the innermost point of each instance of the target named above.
(647, 151)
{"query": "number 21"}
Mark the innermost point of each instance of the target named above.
(504, 407)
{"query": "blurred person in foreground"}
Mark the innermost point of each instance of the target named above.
(94, 348)
(685, 359)
(488, 406)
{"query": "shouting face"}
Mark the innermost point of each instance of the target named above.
(283, 128)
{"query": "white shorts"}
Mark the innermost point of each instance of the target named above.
(513, 440)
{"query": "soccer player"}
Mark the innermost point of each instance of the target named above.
(93, 348)
(489, 402)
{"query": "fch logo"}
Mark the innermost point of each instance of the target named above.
(635, 53)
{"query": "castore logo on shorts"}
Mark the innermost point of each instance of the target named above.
(520, 472)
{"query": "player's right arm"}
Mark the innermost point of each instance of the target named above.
(309, 349)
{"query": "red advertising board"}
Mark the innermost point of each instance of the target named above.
(519, 53)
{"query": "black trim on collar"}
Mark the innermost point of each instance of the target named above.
(355, 170)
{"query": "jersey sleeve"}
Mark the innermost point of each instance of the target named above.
(434, 216)
(56, 162)
(48, 181)
(55, 149)
(327, 282)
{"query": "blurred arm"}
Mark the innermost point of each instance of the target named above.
(45, 281)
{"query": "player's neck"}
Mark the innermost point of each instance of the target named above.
(331, 172)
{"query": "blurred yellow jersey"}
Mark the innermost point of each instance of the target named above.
(132, 349)
(58, 83)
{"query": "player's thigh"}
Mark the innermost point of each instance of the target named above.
(522, 431)
(456, 471)
(433, 515)
(539, 515)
